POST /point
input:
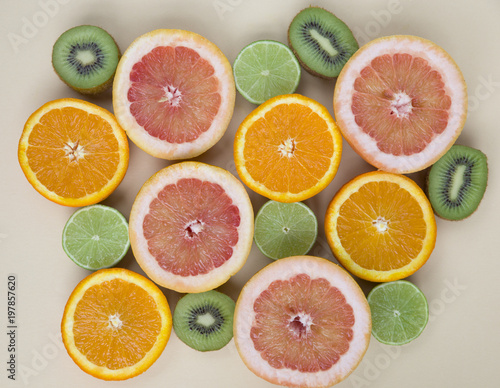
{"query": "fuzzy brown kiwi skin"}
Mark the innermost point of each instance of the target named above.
(306, 68)
(426, 190)
(96, 89)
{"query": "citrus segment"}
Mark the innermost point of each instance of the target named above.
(96, 237)
(401, 102)
(73, 152)
(116, 324)
(380, 226)
(174, 93)
(265, 69)
(302, 321)
(399, 312)
(288, 149)
(191, 227)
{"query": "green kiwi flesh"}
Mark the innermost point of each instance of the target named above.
(204, 321)
(85, 58)
(321, 42)
(457, 181)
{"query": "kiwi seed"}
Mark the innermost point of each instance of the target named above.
(321, 42)
(204, 321)
(456, 183)
(85, 58)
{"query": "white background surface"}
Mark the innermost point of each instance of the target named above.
(459, 347)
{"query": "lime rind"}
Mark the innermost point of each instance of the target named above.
(265, 69)
(271, 237)
(400, 312)
(96, 237)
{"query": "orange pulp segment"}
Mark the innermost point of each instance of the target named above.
(288, 149)
(116, 324)
(73, 152)
(381, 227)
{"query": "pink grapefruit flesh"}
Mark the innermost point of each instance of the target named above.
(174, 93)
(191, 227)
(401, 102)
(302, 321)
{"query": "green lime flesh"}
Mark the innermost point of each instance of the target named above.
(285, 229)
(96, 237)
(204, 321)
(265, 69)
(399, 312)
(85, 58)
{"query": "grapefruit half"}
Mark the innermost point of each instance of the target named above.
(302, 321)
(191, 227)
(400, 102)
(174, 93)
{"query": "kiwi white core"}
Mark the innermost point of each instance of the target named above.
(206, 320)
(324, 43)
(457, 181)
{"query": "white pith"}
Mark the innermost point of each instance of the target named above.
(171, 175)
(285, 269)
(365, 145)
(223, 71)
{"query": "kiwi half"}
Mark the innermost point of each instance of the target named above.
(204, 321)
(321, 42)
(456, 183)
(85, 58)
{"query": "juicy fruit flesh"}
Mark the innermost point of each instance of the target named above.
(285, 229)
(400, 101)
(174, 94)
(265, 69)
(72, 152)
(302, 324)
(85, 56)
(281, 151)
(96, 237)
(457, 182)
(116, 323)
(191, 227)
(322, 41)
(375, 232)
(204, 321)
(399, 312)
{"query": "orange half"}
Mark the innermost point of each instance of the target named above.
(116, 324)
(288, 149)
(381, 226)
(73, 152)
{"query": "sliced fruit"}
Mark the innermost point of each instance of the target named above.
(116, 324)
(322, 42)
(174, 93)
(96, 237)
(456, 183)
(400, 102)
(204, 321)
(288, 149)
(380, 226)
(399, 312)
(85, 58)
(303, 322)
(265, 69)
(285, 229)
(191, 227)
(73, 152)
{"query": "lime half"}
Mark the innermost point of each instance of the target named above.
(285, 229)
(96, 237)
(266, 69)
(399, 312)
